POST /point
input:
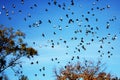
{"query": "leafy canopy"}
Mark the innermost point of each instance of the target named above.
(12, 48)
(87, 70)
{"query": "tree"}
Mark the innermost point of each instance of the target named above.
(85, 71)
(12, 48)
(23, 77)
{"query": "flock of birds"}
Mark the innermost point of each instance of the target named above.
(85, 29)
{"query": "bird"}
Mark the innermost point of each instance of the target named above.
(55, 58)
(52, 46)
(108, 6)
(78, 50)
(63, 8)
(93, 14)
(88, 12)
(40, 21)
(101, 46)
(29, 15)
(22, 1)
(78, 57)
(67, 15)
(54, 33)
(59, 5)
(9, 18)
(96, 19)
(43, 74)
(3, 7)
(108, 52)
(49, 21)
(32, 63)
(25, 19)
(67, 46)
(52, 59)
(31, 7)
(20, 11)
(35, 5)
(92, 40)
(99, 51)
(72, 2)
(55, 2)
(43, 35)
(46, 10)
(40, 70)
(61, 19)
(49, 3)
(82, 15)
(43, 68)
(108, 56)
(58, 43)
(13, 5)
(65, 41)
(70, 21)
(83, 47)
(87, 19)
(37, 62)
(72, 13)
(33, 42)
(92, 9)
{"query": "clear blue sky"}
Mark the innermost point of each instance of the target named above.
(54, 13)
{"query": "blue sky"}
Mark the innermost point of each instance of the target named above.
(54, 13)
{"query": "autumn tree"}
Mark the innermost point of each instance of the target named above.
(12, 49)
(87, 70)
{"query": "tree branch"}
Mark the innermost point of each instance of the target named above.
(11, 64)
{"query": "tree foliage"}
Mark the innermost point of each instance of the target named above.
(23, 77)
(84, 71)
(12, 48)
